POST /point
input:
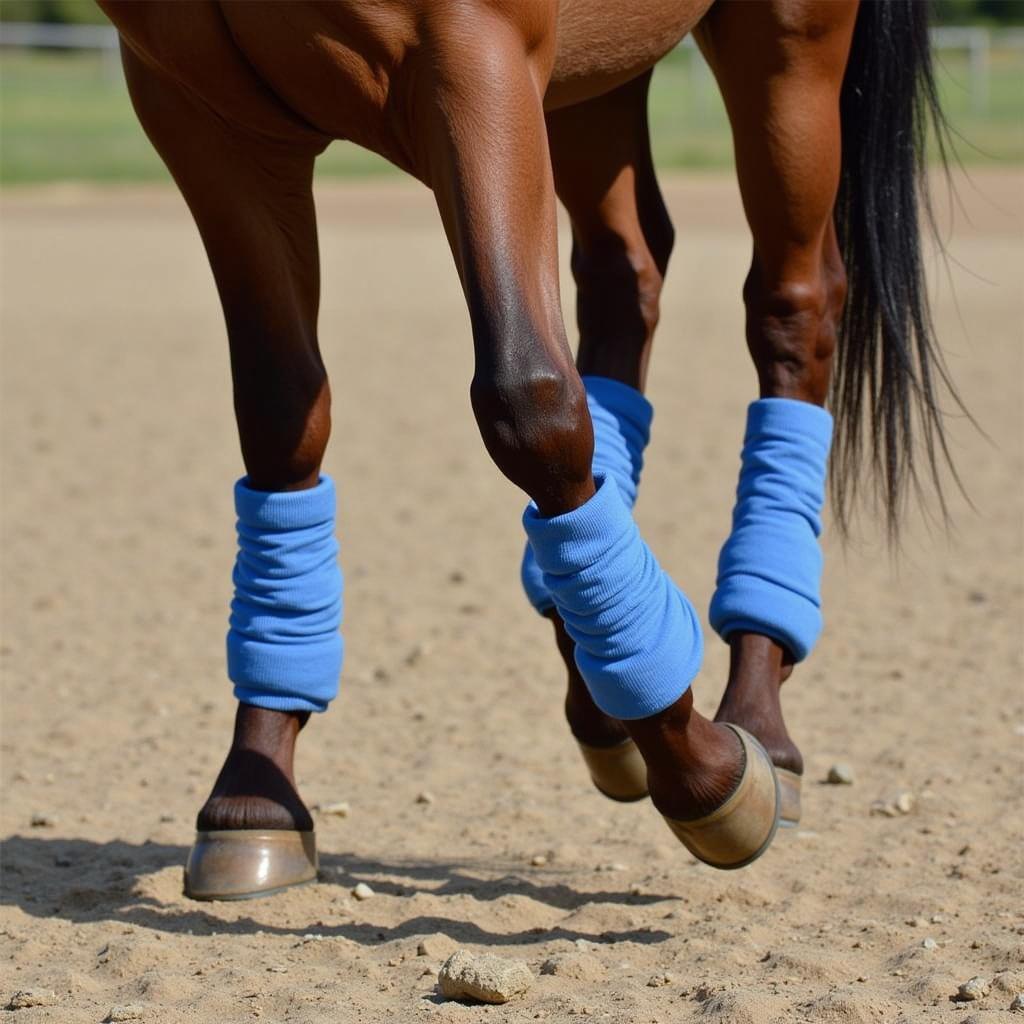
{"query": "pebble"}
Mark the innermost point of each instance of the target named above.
(660, 980)
(904, 802)
(130, 1012)
(486, 978)
(929, 943)
(538, 860)
(42, 821)
(883, 808)
(578, 966)
(32, 997)
(425, 798)
(969, 991)
(363, 892)
(437, 947)
(340, 809)
(615, 866)
(840, 774)
(1017, 1006)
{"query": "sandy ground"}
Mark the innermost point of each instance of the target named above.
(118, 457)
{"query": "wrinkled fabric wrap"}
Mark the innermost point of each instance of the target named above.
(284, 642)
(622, 427)
(638, 639)
(769, 570)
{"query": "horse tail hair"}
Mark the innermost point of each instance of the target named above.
(888, 373)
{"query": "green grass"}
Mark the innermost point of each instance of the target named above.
(67, 117)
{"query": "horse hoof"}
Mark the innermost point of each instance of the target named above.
(241, 864)
(618, 772)
(789, 797)
(743, 827)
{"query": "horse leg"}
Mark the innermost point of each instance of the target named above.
(252, 203)
(622, 238)
(780, 68)
(482, 146)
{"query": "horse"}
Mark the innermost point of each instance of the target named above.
(502, 109)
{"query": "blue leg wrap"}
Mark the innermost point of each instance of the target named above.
(638, 639)
(284, 644)
(769, 571)
(622, 428)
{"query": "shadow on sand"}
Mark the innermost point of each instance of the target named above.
(80, 881)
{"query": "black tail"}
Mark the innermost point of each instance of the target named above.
(889, 373)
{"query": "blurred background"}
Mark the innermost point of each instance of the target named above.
(66, 115)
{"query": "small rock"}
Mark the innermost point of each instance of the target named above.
(437, 947)
(28, 997)
(538, 860)
(884, 808)
(340, 809)
(130, 1012)
(615, 866)
(363, 892)
(929, 943)
(916, 922)
(974, 989)
(425, 798)
(486, 978)
(904, 802)
(62, 860)
(840, 774)
(42, 821)
(166, 819)
(1017, 1006)
(578, 966)
(660, 980)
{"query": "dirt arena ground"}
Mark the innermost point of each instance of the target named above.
(119, 453)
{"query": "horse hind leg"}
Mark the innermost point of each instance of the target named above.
(780, 67)
(622, 236)
(252, 203)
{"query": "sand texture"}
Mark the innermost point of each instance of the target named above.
(119, 453)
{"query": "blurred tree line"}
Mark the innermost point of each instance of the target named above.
(947, 12)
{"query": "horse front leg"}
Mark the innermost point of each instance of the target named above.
(780, 68)
(252, 202)
(638, 643)
(622, 238)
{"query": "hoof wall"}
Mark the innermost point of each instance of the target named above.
(618, 772)
(245, 863)
(737, 833)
